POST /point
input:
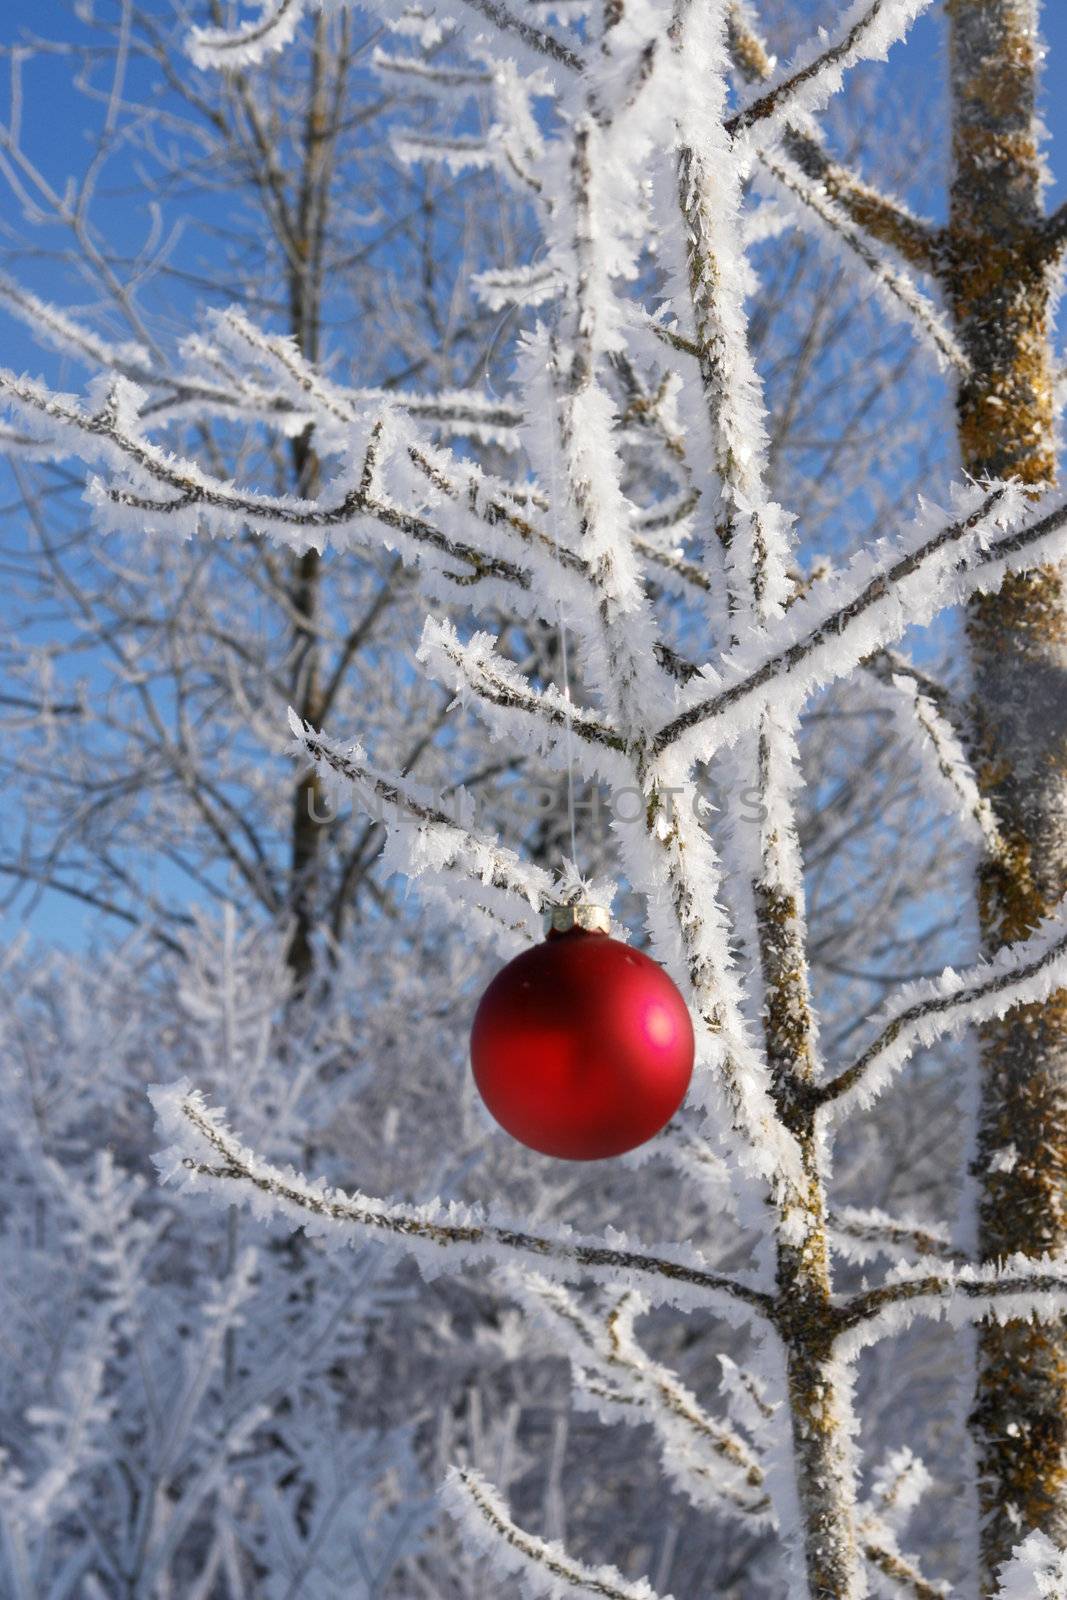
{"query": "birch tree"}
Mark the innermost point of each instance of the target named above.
(639, 155)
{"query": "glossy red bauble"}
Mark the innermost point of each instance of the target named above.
(582, 1047)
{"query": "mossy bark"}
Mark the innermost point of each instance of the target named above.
(819, 1402)
(807, 1318)
(997, 269)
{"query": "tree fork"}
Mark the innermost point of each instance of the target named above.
(808, 1323)
(807, 1318)
(997, 269)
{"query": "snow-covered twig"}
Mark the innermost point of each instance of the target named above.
(879, 216)
(861, 1235)
(813, 204)
(537, 40)
(202, 1153)
(335, 409)
(1022, 1287)
(940, 748)
(477, 671)
(901, 1572)
(543, 1564)
(707, 1459)
(249, 43)
(451, 847)
(110, 435)
(1017, 975)
(70, 337)
(870, 605)
(864, 32)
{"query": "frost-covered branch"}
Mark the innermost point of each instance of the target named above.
(110, 435)
(538, 40)
(872, 227)
(246, 45)
(542, 1564)
(430, 839)
(70, 337)
(901, 1572)
(284, 375)
(1020, 974)
(229, 49)
(863, 1235)
(499, 516)
(707, 1459)
(1025, 1287)
(870, 605)
(203, 1154)
(813, 199)
(864, 32)
(879, 216)
(941, 748)
(475, 670)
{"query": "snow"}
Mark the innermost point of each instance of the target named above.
(1036, 1571)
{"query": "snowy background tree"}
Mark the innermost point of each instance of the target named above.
(527, 336)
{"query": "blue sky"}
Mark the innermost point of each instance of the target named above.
(57, 130)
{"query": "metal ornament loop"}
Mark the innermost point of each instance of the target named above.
(587, 918)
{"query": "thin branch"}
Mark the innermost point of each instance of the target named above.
(880, 216)
(239, 1174)
(650, 1392)
(897, 286)
(883, 1234)
(487, 502)
(301, 523)
(304, 385)
(940, 740)
(902, 1571)
(538, 39)
(544, 1564)
(1021, 1288)
(1019, 974)
(887, 664)
(806, 82)
(247, 44)
(477, 856)
(496, 682)
(816, 656)
(21, 871)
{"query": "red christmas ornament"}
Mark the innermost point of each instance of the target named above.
(582, 1047)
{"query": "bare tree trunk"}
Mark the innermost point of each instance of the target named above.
(305, 243)
(818, 1406)
(998, 268)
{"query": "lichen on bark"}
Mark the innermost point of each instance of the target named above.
(997, 272)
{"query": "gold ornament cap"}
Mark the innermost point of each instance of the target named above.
(568, 919)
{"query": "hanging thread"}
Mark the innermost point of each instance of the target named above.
(553, 515)
(570, 735)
